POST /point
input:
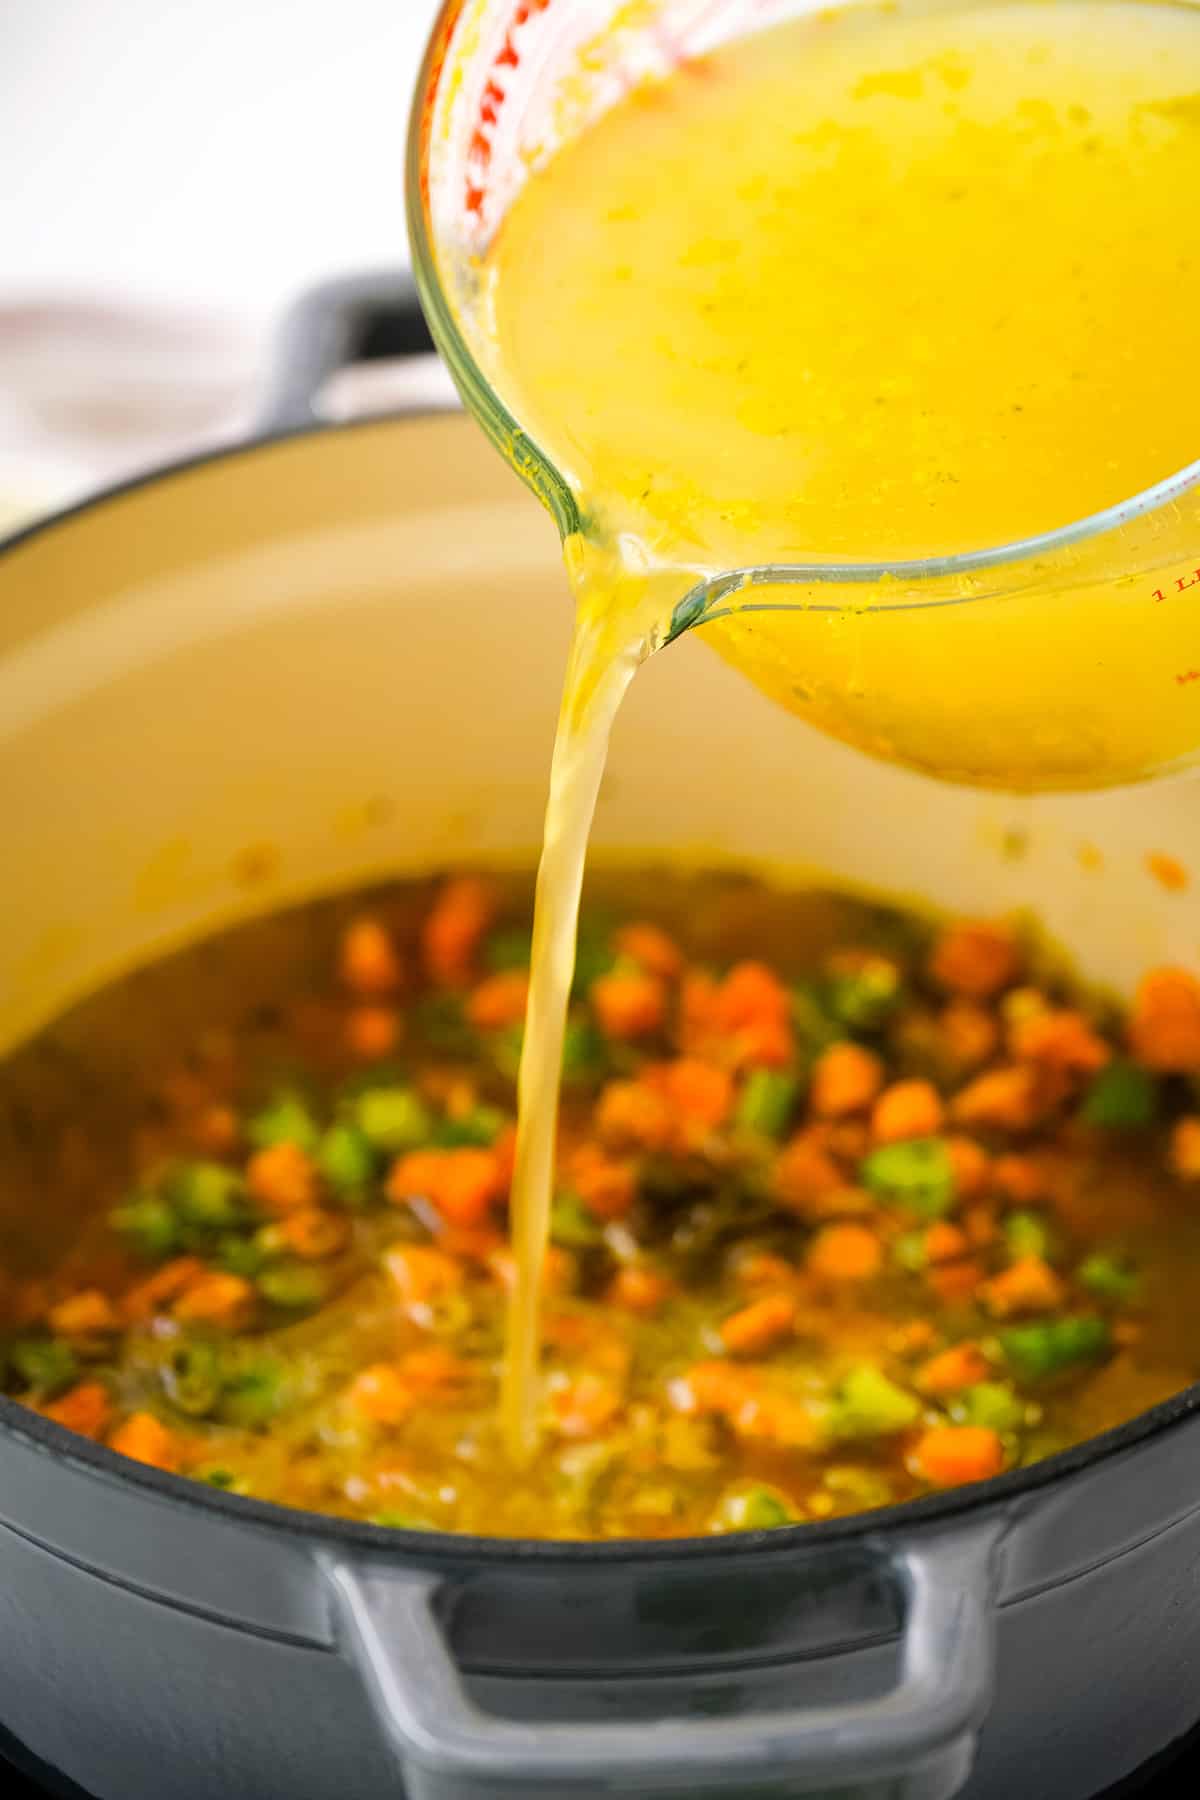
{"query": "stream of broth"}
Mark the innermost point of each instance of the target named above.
(864, 287)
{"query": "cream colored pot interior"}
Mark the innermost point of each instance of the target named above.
(338, 656)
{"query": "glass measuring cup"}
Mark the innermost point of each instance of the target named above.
(1068, 659)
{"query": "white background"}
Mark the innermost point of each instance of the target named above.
(193, 165)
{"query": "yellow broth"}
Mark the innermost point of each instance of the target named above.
(281, 1322)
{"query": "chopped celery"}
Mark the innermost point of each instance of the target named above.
(393, 1119)
(756, 1508)
(572, 1226)
(816, 1028)
(506, 950)
(1122, 1097)
(148, 1224)
(863, 999)
(46, 1364)
(908, 1251)
(862, 1489)
(767, 1102)
(346, 1159)
(480, 1127)
(990, 1403)
(207, 1196)
(916, 1176)
(593, 956)
(255, 1393)
(1028, 1234)
(191, 1377)
(867, 1404)
(1036, 1351)
(505, 1049)
(402, 1521)
(297, 1287)
(1109, 1277)
(585, 1052)
(240, 1255)
(287, 1120)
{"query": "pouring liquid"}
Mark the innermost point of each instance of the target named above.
(868, 287)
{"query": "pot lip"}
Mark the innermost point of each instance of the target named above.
(97, 1460)
(202, 459)
(349, 1535)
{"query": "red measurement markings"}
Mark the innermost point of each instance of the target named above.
(1188, 675)
(492, 101)
(1182, 584)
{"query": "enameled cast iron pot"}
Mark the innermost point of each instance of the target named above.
(342, 647)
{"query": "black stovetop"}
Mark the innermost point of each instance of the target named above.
(1175, 1773)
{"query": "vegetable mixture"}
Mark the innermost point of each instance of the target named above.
(852, 1206)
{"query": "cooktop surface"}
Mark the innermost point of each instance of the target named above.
(1170, 1777)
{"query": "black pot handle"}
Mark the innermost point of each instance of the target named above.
(919, 1737)
(357, 318)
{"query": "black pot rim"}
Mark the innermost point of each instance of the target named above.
(55, 1441)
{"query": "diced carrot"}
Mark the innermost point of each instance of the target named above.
(144, 1300)
(372, 1032)
(971, 1165)
(1164, 1029)
(1060, 1038)
(313, 1234)
(558, 1269)
(750, 993)
(767, 1417)
(147, 1440)
(1018, 1179)
(216, 1298)
(979, 1225)
(629, 1003)
(607, 1186)
(845, 1079)
(89, 1313)
(970, 1033)
(435, 1370)
(650, 946)
(381, 1394)
(585, 1406)
(847, 1139)
(586, 1338)
(759, 1269)
(463, 1184)
(907, 1109)
(912, 1339)
(954, 1282)
(944, 1242)
(714, 1387)
(637, 1289)
(499, 1001)
(804, 1175)
(975, 958)
(960, 1367)
(948, 1455)
(698, 998)
(282, 1178)
(759, 1326)
(85, 1408)
(471, 1243)
(1185, 1148)
(422, 1274)
(367, 958)
(215, 1130)
(845, 1253)
(505, 1152)
(454, 929)
(633, 1115)
(698, 1093)
(1029, 1286)
(1007, 1099)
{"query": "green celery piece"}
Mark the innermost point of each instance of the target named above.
(1036, 1351)
(208, 1197)
(346, 1159)
(192, 1378)
(916, 1176)
(572, 1226)
(1027, 1234)
(1122, 1097)
(393, 1119)
(45, 1364)
(867, 1404)
(767, 1102)
(990, 1403)
(1109, 1277)
(255, 1393)
(240, 1255)
(757, 1508)
(506, 950)
(148, 1224)
(864, 999)
(295, 1287)
(478, 1128)
(585, 1052)
(402, 1521)
(815, 1027)
(287, 1120)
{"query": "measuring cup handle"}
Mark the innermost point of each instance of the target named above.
(354, 319)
